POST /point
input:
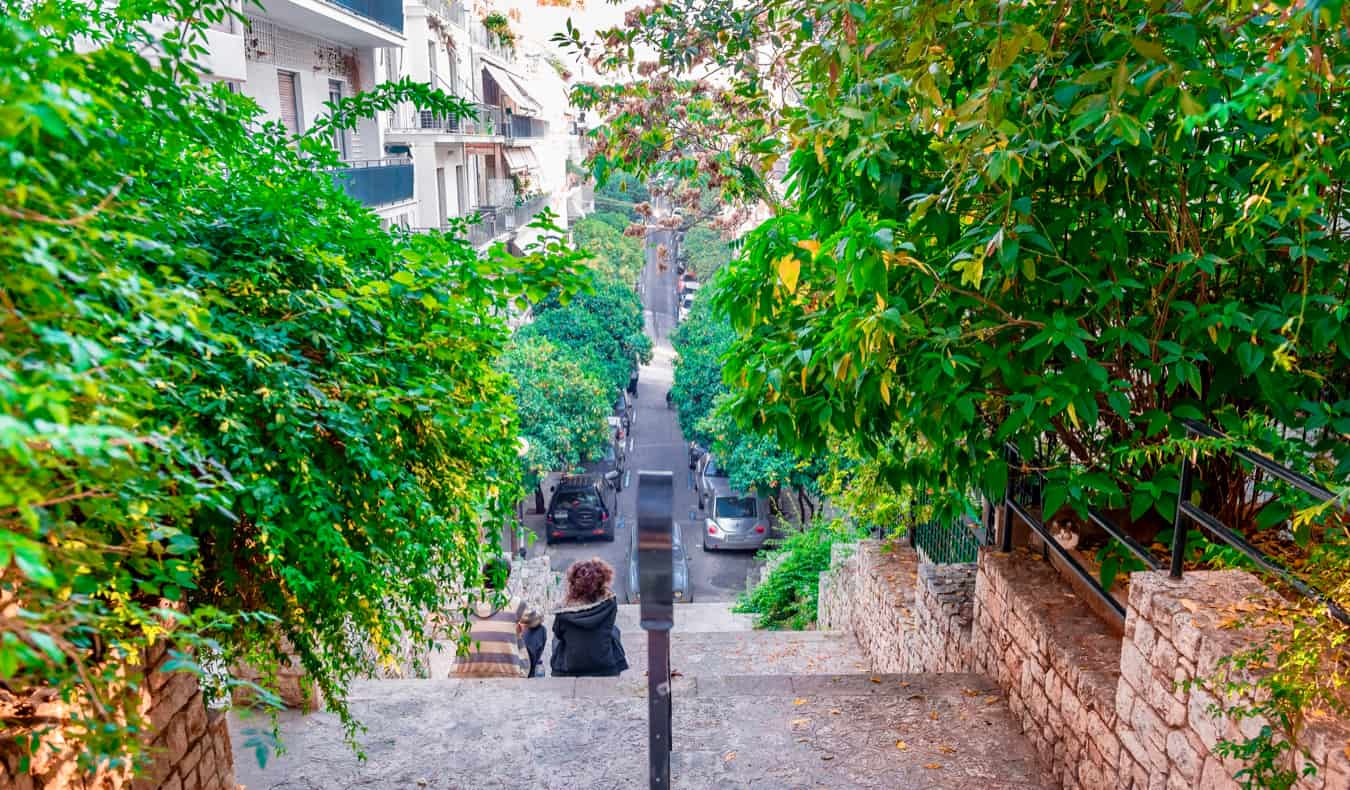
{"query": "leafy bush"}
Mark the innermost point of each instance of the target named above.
(706, 250)
(788, 594)
(561, 403)
(232, 403)
(613, 256)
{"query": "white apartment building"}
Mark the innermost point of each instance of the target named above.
(413, 168)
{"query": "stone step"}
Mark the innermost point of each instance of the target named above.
(692, 617)
(727, 652)
(733, 731)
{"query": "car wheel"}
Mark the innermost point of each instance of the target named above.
(705, 545)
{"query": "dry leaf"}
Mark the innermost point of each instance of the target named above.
(990, 700)
(1191, 606)
(945, 749)
(799, 701)
(876, 679)
(904, 684)
(932, 714)
(933, 766)
(799, 722)
(827, 757)
(970, 692)
(834, 712)
(901, 745)
(728, 757)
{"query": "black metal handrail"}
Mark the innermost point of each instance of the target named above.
(1186, 512)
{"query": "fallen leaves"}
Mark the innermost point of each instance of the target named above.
(901, 745)
(799, 701)
(945, 749)
(876, 679)
(934, 766)
(834, 711)
(799, 722)
(728, 757)
(971, 692)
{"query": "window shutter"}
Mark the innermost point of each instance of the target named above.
(290, 112)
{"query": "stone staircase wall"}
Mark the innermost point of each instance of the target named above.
(188, 745)
(1101, 711)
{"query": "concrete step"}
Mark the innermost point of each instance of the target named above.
(727, 652)
(733, 731)
(692, 617)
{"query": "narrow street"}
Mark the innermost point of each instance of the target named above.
(655, 443)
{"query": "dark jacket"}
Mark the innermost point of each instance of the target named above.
(586, 641)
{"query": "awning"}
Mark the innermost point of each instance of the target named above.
(513, 86)
(520, 158)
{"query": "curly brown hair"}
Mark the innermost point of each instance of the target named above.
(588, 580)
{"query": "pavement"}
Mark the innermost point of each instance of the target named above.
(752, 709)
(654, 443)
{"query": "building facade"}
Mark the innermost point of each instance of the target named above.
(416, 169)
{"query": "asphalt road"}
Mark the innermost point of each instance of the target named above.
(655, 443)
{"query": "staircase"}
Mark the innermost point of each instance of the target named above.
(761, 709)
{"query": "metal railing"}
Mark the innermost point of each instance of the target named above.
(493, 222)
(941, 538)
(386, 13)
(408, 117)
(377, 182)
(523, 126)
(1187, 512)
(1027, 485)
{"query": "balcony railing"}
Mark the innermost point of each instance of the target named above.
(494, 222)
(407, 117)
(377, 182)
(387, 13)
(522, 126)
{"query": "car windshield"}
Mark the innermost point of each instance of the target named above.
(735, 507)
(582, 498)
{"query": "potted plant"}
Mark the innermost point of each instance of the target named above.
(498, 25)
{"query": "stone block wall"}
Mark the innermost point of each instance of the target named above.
(944, 612)
(1102, 710)
(1173, 635)
(189, 745)
(1057, 662)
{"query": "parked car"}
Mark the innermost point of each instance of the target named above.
(686, 304)
(577, 508)
(680, 579)
(733, 519)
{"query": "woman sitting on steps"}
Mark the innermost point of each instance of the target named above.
(586, 641)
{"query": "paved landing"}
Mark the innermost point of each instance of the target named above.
(737, 731)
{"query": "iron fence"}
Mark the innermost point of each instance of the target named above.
(387, 13)
(523, 126)
(487, 122)
(377, 182)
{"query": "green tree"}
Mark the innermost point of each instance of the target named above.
(562, 405)
(226, 388)
(706, 250)
(613, 256)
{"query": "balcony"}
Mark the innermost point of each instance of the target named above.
(377, 182)
(496, 222)
(355, 23)
(408, 118)
(524, 127)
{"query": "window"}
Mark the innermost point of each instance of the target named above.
(339, 135)
(288, 99)
(735, 507)
(431, 64)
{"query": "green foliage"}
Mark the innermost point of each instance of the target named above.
(613, 219)
(706, 250)
(232, 402)
(561, 403)
(788, 594)
(1082, 222)
(603, 327)
(613, 256)
(623, 187)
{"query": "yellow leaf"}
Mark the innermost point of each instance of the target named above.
(810, 245)
(876, 679)
(1099, 181)
(799, 701)
(729, 756)
(934, 766)
(800, 722)
(820, 151)
(901, 745)
(803, 378)
(945, 749)
(886, 396)
(1073, 416)
(788, 268)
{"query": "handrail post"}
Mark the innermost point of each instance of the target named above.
(1005, 512)
(656, 570)
(1180, 523)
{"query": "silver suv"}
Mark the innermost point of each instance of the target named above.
(733, 519)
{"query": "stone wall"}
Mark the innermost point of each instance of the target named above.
(1057, 662)
(189, 746)
(944, 612)
(1101, 710)
(1174, 634)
